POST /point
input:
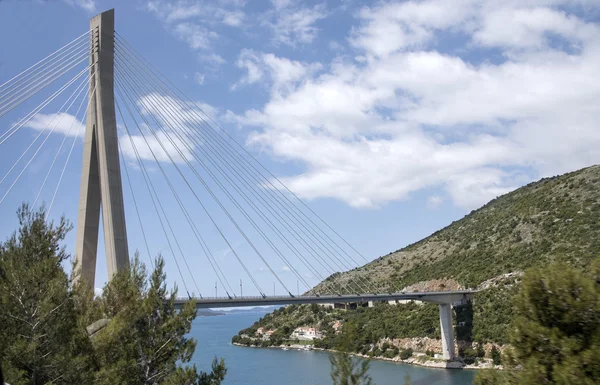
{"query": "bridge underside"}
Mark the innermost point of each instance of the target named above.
(450, 297)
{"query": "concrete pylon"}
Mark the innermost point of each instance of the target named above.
(101, 173)
(446, 327)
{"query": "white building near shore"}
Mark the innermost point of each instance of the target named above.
(306, 333)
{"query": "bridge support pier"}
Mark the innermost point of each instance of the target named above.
(447, 331)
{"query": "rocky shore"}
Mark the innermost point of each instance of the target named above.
(419, 359)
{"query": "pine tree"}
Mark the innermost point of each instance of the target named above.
(556, 334)
(43, 319)
(40, 341)
(145, 341)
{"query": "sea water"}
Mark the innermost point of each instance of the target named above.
(267, 366)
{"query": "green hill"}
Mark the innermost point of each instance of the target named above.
(554, 219)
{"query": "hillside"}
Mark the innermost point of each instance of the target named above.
(554, 219)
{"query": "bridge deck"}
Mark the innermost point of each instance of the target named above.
(440, 297)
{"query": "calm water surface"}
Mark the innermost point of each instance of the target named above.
(256, 366)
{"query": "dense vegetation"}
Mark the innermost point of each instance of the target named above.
(556, 334)
(361, 330)
(44, 315)
(553, 220)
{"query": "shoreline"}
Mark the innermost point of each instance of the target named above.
(414, 360)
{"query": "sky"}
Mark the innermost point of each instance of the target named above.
(390, 119)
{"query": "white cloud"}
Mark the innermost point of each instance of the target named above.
(249, 61)
(234, 18)
(151, 147)
(398, 25)
(174, 114)
(61, 122)
(212, 58)
(403, 116)
(268, 69)
(229, 13)
(285, 268)
(434, 201)
(199, 78)
(211, 62)
(199, 24)
(530, 27)
(87, 5)
(206, 109)
(177, 123)
(293, 23)
(197, 37)
(196, 22)
(176, 10)
(410, 25)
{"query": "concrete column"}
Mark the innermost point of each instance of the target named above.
(447, 330)
(101, 173)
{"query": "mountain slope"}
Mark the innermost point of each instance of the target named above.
(554, 219)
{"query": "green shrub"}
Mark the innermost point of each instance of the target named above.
(496, 356)
(406, 353)
(469, 355)
(480, 350)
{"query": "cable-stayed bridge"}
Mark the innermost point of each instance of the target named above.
(439, 297)
(188, 182)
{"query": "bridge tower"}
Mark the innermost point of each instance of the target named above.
(101, 185)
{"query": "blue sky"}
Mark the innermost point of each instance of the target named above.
(390, 119)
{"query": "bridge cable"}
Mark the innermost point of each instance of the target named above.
(179, 118)
(163, 117)
(192, 225)
(169, 225)
(150, 96)
(194, 112)
(137, 212)
(151, 190)
(6, 108)
(61, 146)
(243, 211)
(36, 77)
(135, 52)
(188, 184)
(39, 63)
(38, 149)
(209, 190)
(198, 237)
(196, 233)
(62, 173)
(78, 88)
(206, 211)
(17, 126)
(203, 244)
(208, 142)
